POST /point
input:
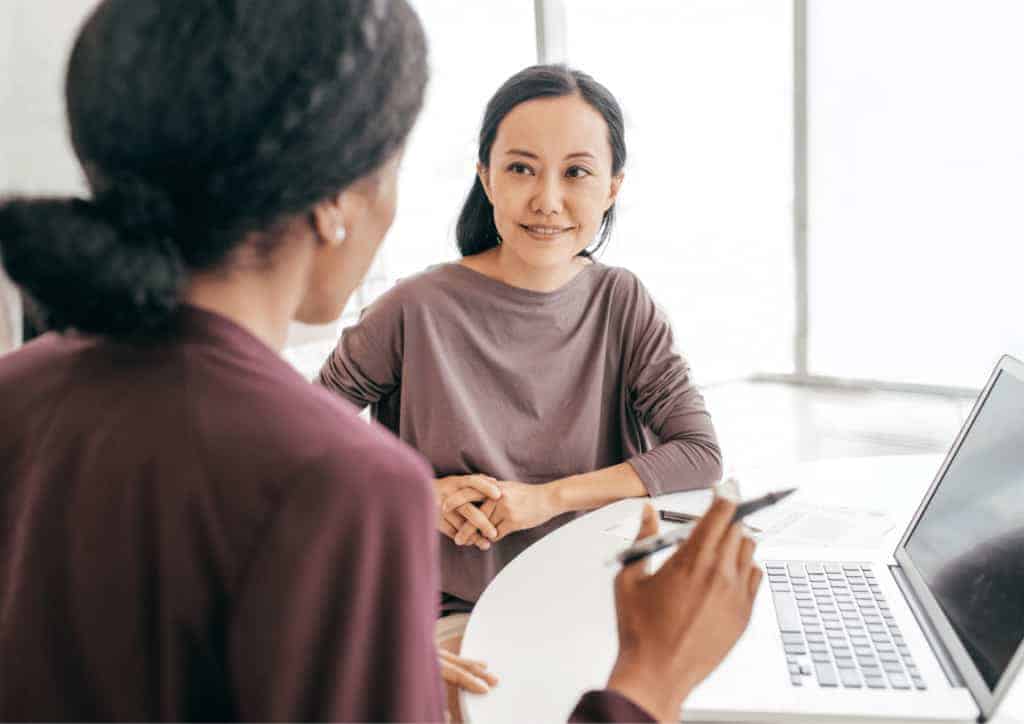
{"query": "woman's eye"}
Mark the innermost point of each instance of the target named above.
(519, 168)
(577, 172)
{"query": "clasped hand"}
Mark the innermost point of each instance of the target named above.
(480, 510)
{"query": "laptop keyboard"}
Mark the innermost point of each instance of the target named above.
(837, 629)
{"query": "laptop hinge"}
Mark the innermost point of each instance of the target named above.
(930, 635)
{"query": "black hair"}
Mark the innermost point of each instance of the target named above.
(196, 123)
(475, 231)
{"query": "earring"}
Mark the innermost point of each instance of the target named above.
(340, 234)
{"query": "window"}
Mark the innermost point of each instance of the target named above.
(916, 174)
(705, 215)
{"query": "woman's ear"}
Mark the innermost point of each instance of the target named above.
(484, 174)
(613, 191)
(329, 221)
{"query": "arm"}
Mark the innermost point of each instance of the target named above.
(366, 364)
(316, 632)
(666, 401)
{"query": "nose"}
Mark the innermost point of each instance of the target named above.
(547, 198)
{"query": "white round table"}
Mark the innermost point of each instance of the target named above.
(546, 624)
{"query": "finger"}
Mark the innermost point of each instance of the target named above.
(488, 508)
(746, 555)
(648, 522)
(462, 678)
(648, 527)
(702, 546)
(461, 497)
(504, 528)
(447, 528)
(468, 534)
(754, 581)
(461, 536)
(473, 515)
(729, 550)
(485, 484)
(478, 668)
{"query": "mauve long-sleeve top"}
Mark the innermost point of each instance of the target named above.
(483, 377)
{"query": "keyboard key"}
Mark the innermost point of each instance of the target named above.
(845, 665)
(786, 612)
(796, 570)
(899, 681)
(805, 670)
(886, 656)
(874, 682)
(885, 647)
(814, 568)
(794, 669)
(892, 668)
(832, 568)
(919, 683)
(792, 638)
(816, 648)
(820, 658)
(795, 649)
(826, 674)
(796, 680)
(850, 678)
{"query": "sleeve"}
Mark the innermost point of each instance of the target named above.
(366, 364)
(666, 401)
(608, 706)
(335, 611)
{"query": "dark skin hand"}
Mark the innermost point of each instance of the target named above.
(676, 625)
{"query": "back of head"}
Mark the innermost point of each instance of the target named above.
(196, 123)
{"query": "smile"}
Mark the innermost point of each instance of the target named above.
(546, 231)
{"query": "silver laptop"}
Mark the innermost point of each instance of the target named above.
(932, 634)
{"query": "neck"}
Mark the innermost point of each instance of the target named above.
(511, 270)
(261, 298)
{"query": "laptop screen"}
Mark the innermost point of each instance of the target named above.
(968, 543)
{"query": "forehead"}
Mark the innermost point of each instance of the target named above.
(553, 128)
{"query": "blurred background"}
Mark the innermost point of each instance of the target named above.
(824, 196)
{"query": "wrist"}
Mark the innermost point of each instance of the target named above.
(555, 498)
(643, 685)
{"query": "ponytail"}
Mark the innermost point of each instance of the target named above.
(85, 271)
(476, 231)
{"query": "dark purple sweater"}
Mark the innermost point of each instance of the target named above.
(192, 531)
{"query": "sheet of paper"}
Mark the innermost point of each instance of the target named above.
(796, 523)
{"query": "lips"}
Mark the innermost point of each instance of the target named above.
(544, 231)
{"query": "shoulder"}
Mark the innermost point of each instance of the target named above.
(621, 287)
(430, 284)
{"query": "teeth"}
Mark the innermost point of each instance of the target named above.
(550, 231)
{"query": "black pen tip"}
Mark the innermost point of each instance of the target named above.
(783, 493)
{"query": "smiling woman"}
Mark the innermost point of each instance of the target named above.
(527, 373)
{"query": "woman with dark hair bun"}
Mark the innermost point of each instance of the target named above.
(191, 531)
(537, 382)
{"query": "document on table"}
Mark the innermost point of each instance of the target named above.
(796, 523)
(826, 526)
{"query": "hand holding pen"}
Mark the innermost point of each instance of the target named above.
(677, 624)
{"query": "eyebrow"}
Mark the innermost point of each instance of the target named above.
(530, 154)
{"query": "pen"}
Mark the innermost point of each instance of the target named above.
(643, 548)
(672, 516)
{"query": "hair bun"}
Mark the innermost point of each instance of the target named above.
(140, 211)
